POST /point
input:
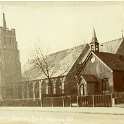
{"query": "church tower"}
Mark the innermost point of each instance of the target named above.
(10, 66)
(94, 45)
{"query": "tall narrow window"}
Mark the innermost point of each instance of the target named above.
(105, 84)
(47, 88)
(54, 88)
(62, 87)
(82, 92)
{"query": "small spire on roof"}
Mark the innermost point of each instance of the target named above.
(94, 45)
(94, 32)
(4, 21)
(94, 38)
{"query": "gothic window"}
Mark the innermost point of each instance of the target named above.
(82, 90)
(4, 44)
(47, 88)
(54, 89)
(105, 84)
(10, 41)
(62, 88)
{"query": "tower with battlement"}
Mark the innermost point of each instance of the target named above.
(10, 66)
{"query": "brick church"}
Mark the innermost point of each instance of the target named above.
(96, 71)
(94, 68)
(89, 69)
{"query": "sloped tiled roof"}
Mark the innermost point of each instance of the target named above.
(65, 59)
(61, 62)
(111, 46)
(114, 61)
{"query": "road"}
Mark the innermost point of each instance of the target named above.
(39, 117)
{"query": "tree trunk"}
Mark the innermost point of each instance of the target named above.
(50, 90)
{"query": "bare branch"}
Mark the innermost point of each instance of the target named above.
(65, 70)
(41, 62)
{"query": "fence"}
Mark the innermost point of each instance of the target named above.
(62, 101)
(82, 101)
(119, 97)
(95, 101)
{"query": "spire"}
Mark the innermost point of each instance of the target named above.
(94, 38)
(4, 21)
(94, 45)
(94, 32)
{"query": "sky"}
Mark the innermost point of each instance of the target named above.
(54, 26)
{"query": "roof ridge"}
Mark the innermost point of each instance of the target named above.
(66, 49)
(111, 40)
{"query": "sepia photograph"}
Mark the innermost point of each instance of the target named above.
(61, 62)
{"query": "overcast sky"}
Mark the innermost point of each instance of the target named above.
(54, 26)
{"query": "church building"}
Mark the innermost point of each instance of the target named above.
(10, 66)
(96, 72)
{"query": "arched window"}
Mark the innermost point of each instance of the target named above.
(82, 90)
(105, 84)
(54, 88)
(47, 88)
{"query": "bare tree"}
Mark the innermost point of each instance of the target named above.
(40, 61)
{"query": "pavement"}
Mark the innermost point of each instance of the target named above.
(87, 110)
(68, 115)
